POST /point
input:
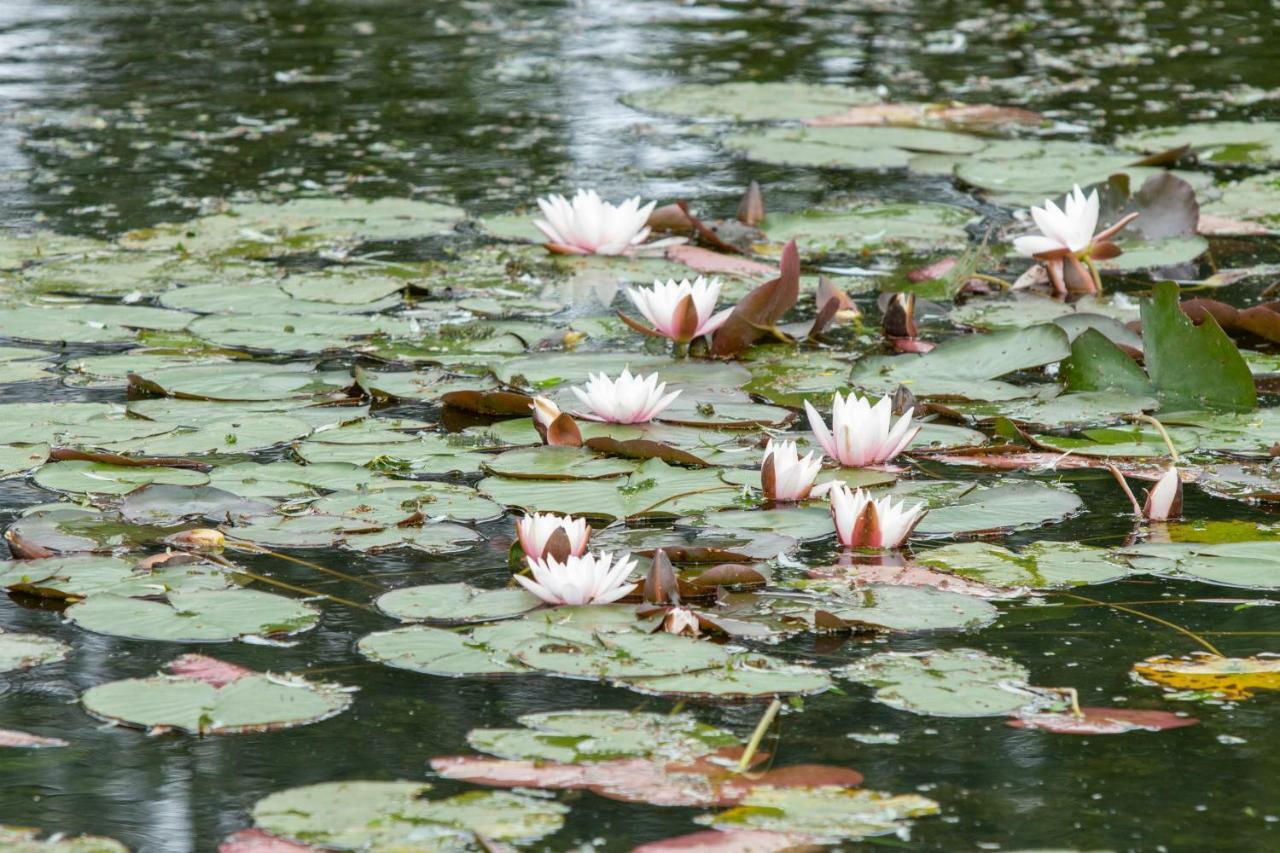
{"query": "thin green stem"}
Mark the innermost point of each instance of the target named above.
(757, 736)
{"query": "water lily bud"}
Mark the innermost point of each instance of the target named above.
(198, 539)
(681, 620)
(784, 476)
(1164, 501)
(900, 317)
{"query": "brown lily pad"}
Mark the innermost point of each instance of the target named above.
(706, 782)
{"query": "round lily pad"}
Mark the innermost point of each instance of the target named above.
(209, 616)
(1041, 565)
(253, 703)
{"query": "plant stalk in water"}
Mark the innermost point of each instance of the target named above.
(757, 736)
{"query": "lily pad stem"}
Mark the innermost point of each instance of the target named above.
(258, 549)
(1168, 442)
(1093, 271)
(1124, 484)
(254, 576)
(758, 735)
(991, 279)
(1142, 615)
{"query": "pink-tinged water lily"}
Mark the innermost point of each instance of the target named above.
(545, 534)
(626, 400)
(1164, 501)
(784, 475)
(681, 620)
(588, 225)
(680, 311)
(862, 434)
(865, 523)
(1067, 235)
(587, 579)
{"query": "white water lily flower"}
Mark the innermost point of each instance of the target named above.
(1164, 501)
(626, 400)
(682, 310)
(1070, 229)
(862, 434)
(865, 523)
(589, 225)
(785, 476)
(587, 579)
(535, 533)
(681, 620)
(1067, 234)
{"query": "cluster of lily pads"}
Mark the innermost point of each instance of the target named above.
(295, 380)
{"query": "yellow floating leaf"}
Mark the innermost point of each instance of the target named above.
(1233, 678)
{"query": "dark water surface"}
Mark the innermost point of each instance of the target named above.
(122, 114)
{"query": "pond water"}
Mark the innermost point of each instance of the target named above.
(121, 115)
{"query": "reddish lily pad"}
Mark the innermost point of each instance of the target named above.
(1103, 721)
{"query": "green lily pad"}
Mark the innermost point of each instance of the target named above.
(873, 227)
(955, 683)
(654, 489)
(100, 478)
(288, 479)
(23, 651)
(17, 839)
(1252, 565)
(750, 101)
(827, 812)
(253, 703)
(1006, 506)
(208, 616)
(397, 816)
(968, 366)
(434, 651)
(1040, 565)
(456, 603)
(602, 735)
(857, 147)
(1225, 142)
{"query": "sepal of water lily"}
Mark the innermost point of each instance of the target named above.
(554, 427)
